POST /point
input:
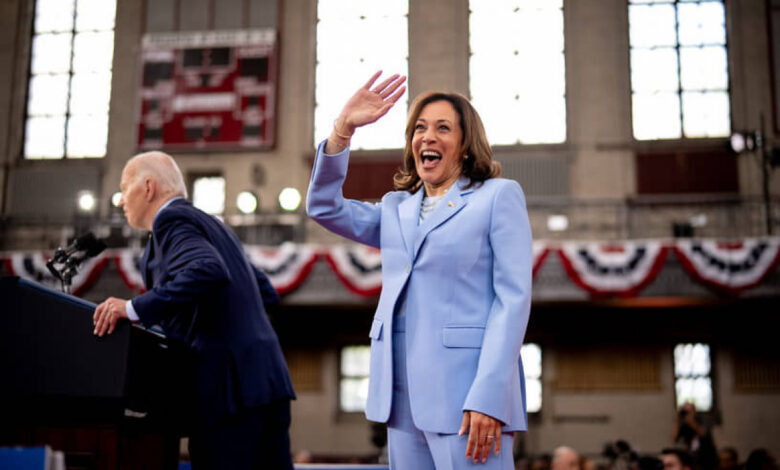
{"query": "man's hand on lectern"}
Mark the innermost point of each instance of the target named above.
(107, 314)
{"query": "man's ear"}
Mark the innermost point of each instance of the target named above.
(150, 186)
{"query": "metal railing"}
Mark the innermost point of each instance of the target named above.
(725, 217)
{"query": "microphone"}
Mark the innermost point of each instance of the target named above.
(64, 265)
(90, 245)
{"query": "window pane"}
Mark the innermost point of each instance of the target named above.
(50, 53)
(533, 395)
(656, 116)
(44, 137)
(93, 52)
(70, 79)
(652, 25)
(703, 68)
(698, 391)
(702, 24)
(692, 368)
(706, 114)
(691, 359)
(532, 366)
(532, 360)
(526, 102)
(48, 94)
(543, 119)
(87, 136)
(353, 394)
(382, 29)
(54, 15)
(654, 36)
(654, 70)
(90, 93)
(355, 361)
(95, 15)
(208, 194)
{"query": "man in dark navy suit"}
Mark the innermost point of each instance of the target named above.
(205, 294)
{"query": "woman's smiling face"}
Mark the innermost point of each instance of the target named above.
(436, 145)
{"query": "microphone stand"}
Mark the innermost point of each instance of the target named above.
(65, 263)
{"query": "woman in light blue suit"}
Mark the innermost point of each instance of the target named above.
(446, 373)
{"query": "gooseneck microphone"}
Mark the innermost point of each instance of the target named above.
(66, 261)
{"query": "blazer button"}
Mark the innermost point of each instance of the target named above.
(408, 268)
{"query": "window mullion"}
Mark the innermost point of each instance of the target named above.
(679, 66)
(70, 82)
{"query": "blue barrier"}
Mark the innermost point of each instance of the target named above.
(30, 458)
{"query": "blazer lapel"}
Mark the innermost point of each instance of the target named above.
(408, 214)
(452, 202)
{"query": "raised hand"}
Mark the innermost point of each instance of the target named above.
(367, 105)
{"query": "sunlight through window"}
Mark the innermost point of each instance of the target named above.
(70, 79)
(522, 100)
(353, 386)
(208, 194)
(692, 369)
(532, 364)
(355, 38)
(679, 69)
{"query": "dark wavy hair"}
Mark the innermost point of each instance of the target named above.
(480, 165)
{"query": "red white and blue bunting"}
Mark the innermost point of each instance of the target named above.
(128, 264)
(286, 266)
(729, 267)
(617, 268)
(540, 252)
(620, 268)
(359, 267)
(32, 267)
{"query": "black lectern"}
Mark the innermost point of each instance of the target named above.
(107, 402)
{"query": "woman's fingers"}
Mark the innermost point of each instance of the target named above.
(371, 80)
(367, 106)
(387, 87)
(397, 94)
(472, 445)
(484, 434)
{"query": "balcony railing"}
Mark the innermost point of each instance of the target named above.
(654, 217)
(724, 217)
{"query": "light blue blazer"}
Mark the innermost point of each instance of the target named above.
(466, 275)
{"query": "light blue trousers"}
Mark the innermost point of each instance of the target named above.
(412, 449)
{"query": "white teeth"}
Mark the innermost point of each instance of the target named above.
(431, 153)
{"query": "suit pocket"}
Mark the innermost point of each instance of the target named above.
(376, 329)
(463, 336)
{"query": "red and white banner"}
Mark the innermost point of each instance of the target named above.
(128, 263)
(620, 268)
(286, 266)
(540, 252)
(32, 267)
(615, 268)
(359, 267)
(729, 267)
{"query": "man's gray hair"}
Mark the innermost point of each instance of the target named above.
(162, 168)
(563, 451)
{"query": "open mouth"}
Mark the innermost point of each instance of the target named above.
(429, 159)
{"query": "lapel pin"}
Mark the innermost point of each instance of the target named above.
(451, 204)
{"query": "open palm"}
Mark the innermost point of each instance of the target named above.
(367, 105)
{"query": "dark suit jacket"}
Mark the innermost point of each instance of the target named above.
(204, 293)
